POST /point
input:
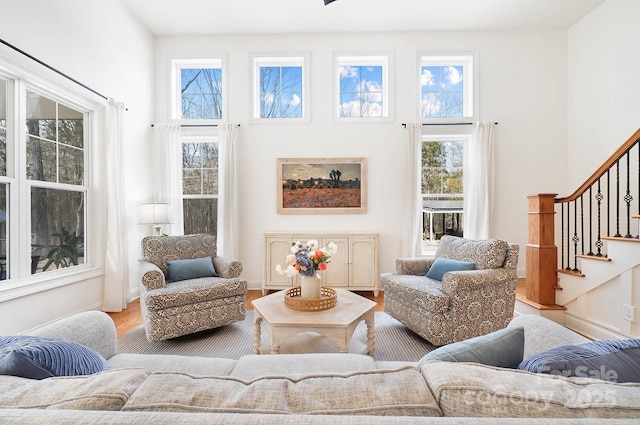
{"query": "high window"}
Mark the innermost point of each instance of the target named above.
(362, 87)
(280, 91)
(198, 90)
(442, 187)
(200, 185)
(446, 87)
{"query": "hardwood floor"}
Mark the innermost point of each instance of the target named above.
(131, 318)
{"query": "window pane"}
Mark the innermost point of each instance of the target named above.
(55, 141)
(4, 241)
(280, 91)
(3, 128)
(71, 165)
(191, 182)
(41, 116)
(200, 168)
(201, 93)
(70, 126)
(41, 160)
(361, 91)
(442, 189)
(57, 226)
(200, 216)
(442, 91)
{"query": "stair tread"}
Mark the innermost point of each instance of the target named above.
(523, 298)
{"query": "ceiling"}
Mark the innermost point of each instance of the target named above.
(191, 17)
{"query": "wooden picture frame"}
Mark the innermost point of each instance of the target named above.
(322, 185)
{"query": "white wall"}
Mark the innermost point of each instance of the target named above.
(100, 45)
(603, 86)
(522, 77)
(603, 112)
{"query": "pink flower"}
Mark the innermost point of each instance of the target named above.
(322, 266)
(291, 259)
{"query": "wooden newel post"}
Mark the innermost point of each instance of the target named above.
(542, 254)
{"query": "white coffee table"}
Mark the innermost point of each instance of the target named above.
(295, 331)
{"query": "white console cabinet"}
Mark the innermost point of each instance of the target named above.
(354, 266)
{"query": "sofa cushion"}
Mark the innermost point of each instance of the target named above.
(108, 390)
(174, 363)
(421, 291)
(192, 291)
(37, 357)
(501, 348)
(486, 254)
(254, 366)
(611, 360)
(190, 269)
(374, 392)
(443, 265)
(474, 390)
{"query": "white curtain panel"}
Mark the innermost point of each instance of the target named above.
(228, 212)
(167, 173)
(116, 251)
(478, 181)
(412, 210)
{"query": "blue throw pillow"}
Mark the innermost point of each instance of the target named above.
(616, 360)
(503, 348)
(191, 269)
(443, 265)
(39, 358)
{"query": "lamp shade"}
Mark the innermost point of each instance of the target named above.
(154, 214)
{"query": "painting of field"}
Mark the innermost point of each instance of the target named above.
(321, 186)
(321, 198)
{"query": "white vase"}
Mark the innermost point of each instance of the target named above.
(310, 287)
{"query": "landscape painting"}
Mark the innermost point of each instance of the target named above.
(322, 186)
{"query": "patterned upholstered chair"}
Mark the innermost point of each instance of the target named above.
(171, 309)
(464, 304)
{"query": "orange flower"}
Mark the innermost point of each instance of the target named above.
(297, 266)
(319, 254)
(322, 266)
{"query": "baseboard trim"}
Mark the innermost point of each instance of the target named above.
(589, 329)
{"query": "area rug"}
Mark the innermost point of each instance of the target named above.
(393, 341)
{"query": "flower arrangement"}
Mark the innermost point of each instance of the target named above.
(307, 259)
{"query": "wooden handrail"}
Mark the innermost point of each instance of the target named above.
(617, 155)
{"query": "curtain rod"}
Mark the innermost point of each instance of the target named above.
(196, 125)
(46, 65)
(404, 124)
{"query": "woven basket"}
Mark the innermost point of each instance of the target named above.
(328, 299)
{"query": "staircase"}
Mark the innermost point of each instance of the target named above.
(587, 276)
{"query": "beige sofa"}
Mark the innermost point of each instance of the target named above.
(309, 388)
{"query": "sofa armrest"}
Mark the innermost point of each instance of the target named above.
(227, 268)
(93, 329)
(414, 266)
(542, 334)
(472, 279)
(151, 276)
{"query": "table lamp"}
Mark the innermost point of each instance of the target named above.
(156, 214)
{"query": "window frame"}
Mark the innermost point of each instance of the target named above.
(454, 133)
(468, 60)
(258, 61)
(22, 75)
(192, 138)
(176, 83)
(385, 60)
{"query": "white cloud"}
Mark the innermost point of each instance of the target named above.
(355, 109)
(453, 75)
(348, 72)
(295, 100)
(426, 79)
